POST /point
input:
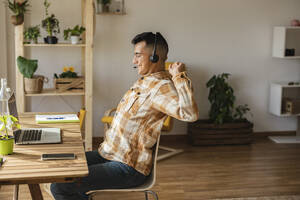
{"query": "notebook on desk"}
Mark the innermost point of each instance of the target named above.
(62, 118)
(38, 136)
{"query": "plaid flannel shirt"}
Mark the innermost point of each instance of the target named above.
(140, 115)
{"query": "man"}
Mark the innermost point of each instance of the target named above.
(124, 159)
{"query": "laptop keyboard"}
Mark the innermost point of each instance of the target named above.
(31, 135)
(28, 135)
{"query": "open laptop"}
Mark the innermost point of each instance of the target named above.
(33, 135)
(37, 136)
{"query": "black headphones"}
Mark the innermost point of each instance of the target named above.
(154, 57)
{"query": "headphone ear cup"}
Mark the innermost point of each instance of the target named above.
(154, 58)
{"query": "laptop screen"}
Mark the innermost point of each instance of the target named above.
(12, 106)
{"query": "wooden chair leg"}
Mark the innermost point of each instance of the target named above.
(16, 192)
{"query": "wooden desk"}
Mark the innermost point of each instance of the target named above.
(25, 166)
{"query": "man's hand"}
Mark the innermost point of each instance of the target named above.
(176, 68)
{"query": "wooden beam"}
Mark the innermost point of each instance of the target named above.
(83, 2)
(19, 51)
(89, 17)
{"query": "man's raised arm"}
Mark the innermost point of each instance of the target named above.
(177, 102)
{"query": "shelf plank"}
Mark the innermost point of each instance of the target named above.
(287, 57)
(54, 45)
(291, 57)
(285, 84)
(111, 13)
(28, 113)
(288, 115)
(53, 92)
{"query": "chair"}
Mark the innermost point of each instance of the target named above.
(81, 115)
(146, 187)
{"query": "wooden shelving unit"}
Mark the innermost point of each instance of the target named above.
(87, 11)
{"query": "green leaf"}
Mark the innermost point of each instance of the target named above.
(27, 67)
(13, 118)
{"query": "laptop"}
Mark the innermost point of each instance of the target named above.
(33, 135)
(38, 136)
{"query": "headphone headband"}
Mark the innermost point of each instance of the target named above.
(154, 57)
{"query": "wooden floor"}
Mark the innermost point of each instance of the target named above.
(209, 172)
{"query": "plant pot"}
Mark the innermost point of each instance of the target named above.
(204, 132)
(50, 40)
(75, 39)
(69, 84)
(17, 19)
(7, 146)
(34, 85)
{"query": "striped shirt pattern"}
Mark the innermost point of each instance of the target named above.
(140, 115)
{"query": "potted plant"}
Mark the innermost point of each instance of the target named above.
(7, 123)
(51, 25)
(227, 124)
(19, 9)
(103, 6)
(33, 83)
(74, 34)
(32, 34)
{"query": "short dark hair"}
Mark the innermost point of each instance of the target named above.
(149, 38)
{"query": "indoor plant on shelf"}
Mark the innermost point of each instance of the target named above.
(19, 9)
(51, 25)
(32, 33)
(7, 121)
(227, 124)
(33, 83)
(74, 34)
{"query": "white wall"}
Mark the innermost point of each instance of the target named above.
(210, 36)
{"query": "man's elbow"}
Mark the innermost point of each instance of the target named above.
(192, 117)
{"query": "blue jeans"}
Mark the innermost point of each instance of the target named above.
(103, 174)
